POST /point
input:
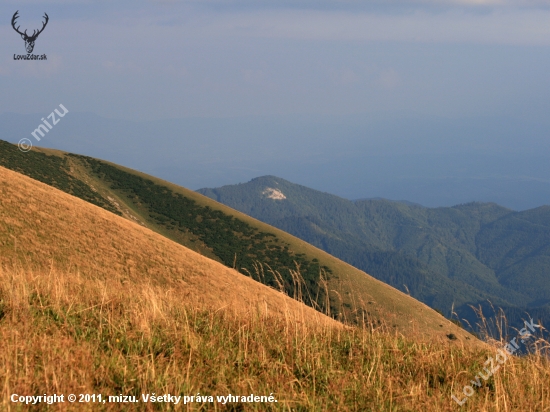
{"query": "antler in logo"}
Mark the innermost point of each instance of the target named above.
(29, 40)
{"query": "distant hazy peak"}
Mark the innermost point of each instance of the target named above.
(274, 194)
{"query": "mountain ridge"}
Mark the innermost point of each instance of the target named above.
(448, 257)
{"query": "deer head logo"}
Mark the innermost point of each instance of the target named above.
(29, 40)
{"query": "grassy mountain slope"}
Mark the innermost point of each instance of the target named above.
(43, 229)
(91, 303)
(338, 288)
(457, 256)
(62, 332)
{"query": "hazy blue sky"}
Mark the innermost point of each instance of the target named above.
(165, 59)
(444, 66)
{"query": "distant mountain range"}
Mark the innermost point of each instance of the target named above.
(389, 200)
(447, 257)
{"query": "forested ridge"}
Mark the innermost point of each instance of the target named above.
(51, 170)
(236, 243)
(447, 257)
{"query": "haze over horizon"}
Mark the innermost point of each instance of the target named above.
(435, 102)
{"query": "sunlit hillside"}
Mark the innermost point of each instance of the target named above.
(44, 230)
(255, 249)
(91, 303)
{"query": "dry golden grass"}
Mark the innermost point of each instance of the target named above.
(63, 332)
(92, 303)
(42, 228)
